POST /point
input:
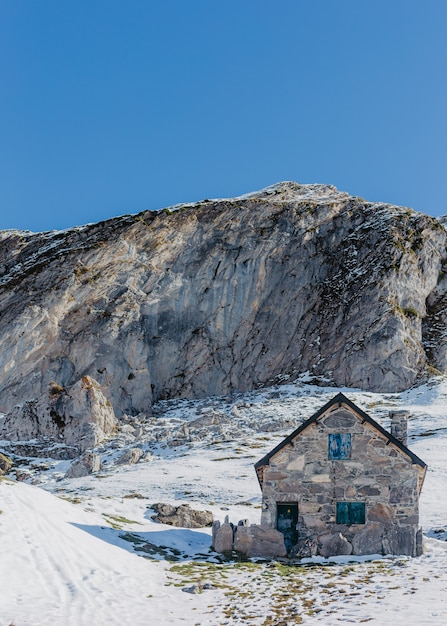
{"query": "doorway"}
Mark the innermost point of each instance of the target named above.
(286, 522)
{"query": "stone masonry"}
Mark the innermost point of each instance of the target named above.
(363, 501)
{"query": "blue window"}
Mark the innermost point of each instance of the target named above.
(351, 513)
(339, 446)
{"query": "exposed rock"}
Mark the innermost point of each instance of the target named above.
(130, 457)
(333, 544)
(220, 296)
(206, 420)
(88, 463)
(249, 540)
(43, 449)
(305, 548)
(80, 416)
(181, 516)
(5, 464)
(198, 587)
(368, 540)
(275, 426)
(257, 540)
(223, 535)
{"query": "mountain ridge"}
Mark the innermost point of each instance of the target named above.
(222, 296)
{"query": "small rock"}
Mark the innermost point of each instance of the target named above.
(130, 457)
(196, 588)
(89, 463)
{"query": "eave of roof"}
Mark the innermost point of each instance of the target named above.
(340, 399)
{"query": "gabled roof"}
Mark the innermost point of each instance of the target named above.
(338, 399)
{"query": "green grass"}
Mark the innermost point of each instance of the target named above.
(116, 521)
(295, 591)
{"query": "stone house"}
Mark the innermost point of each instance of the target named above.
(342, 484)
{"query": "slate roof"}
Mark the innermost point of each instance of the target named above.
(338, 399)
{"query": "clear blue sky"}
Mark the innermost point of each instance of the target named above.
(116, 106)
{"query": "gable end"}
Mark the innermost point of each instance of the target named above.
(340, 400)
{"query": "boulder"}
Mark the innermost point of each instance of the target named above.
(333, 544)
(368, 540)
(130, 457)
(89, 463)
(257, 540)
(222, 536)
(87, 414)
(181, 516)
(5, 463)
(80, 416)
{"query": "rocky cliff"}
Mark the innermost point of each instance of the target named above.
(221, 296)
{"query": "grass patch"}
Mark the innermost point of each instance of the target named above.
(116, 521)
(71, 499)
(280, 593)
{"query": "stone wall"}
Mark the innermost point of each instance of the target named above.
(377, 473)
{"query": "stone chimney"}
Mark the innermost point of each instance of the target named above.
(399, 425)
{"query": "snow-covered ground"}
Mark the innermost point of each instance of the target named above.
(86, 551)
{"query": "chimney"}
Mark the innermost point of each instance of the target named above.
(399, 425)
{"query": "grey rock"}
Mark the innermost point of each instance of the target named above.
(221, 296)
(88, 463)
(333, 544)
(5, 464)
(194, 589)
(257, 540)
(181, 516)
(368, 540)
(222, 537)
(164, 509)
(130, 457)
(43, 449)
(206, 420)
(80, 416)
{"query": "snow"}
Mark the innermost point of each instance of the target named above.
(86, 551)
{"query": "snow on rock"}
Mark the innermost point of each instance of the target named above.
(222, 296)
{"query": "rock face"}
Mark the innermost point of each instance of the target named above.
(221, 296)
(81, 417)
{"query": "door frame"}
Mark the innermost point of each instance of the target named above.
(294, 517)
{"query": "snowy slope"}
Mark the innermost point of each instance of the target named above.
(82, 562)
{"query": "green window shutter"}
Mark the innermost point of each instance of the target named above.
(351, 513)
(357, 512)
(342, 512)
